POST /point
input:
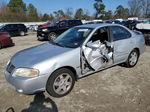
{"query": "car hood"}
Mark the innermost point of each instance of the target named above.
(34, 55)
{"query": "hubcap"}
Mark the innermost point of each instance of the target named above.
(52, 36)
(62, 83)
(133, 58)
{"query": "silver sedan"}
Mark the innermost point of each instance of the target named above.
(78, 52)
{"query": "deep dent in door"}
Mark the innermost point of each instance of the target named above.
(94, 59)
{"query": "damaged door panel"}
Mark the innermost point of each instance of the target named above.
(98, 55)
(98, 52)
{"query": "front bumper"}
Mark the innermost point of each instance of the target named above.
(42, 35)
(26, 85)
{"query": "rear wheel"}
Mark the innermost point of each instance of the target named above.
(52, 36)
(132, 59)
(22, 33)
(60, 83)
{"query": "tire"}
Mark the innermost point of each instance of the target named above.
(22, 33)
(60, 83)
(52, 36)
(132, 59)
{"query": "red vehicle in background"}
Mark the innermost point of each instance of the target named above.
(5, 40)
(45, 25)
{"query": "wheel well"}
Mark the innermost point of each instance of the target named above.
(137, 49)
(72, 69)
(52, 32)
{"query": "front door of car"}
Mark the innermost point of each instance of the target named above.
(98, 51)
(122, 42)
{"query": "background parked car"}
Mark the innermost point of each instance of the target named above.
(45, 24)
(131, 24)
(108, 21)
(14, 29)
(32, 27)
(144, 27)
(56, 28)
(117, 22)
(5, 40)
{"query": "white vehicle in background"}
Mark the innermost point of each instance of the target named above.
(144, 27)
(33, 27)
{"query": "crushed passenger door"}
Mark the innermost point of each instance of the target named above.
(98, 55)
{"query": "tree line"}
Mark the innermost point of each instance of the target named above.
(17, 10)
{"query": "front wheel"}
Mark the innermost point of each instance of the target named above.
(52, 36)
(132, 59)
(60, 83)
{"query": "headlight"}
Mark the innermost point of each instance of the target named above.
(26, 72)
(44, 29)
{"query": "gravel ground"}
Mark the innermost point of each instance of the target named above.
(117, 89)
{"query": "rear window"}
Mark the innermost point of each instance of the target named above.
(21, 25)
(78, 22)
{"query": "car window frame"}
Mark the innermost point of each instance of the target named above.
(108, 31)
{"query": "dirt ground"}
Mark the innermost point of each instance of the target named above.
(117, 89)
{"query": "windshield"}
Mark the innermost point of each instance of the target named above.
(73, 37)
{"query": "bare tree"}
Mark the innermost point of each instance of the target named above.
(69, 13)
(135, 7)
(3, 12)
(145, 7)
(139, 8)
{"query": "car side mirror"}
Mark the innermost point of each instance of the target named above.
(93, 44)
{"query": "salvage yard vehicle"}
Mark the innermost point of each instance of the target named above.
(14, 29)
(78, 52)
(56, 28)
(44, 24)
(144, 27)
(5, 40)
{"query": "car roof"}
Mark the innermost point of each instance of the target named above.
(14, 24)
(97, 25)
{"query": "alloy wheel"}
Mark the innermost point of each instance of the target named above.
(62, 83)
(133, 58)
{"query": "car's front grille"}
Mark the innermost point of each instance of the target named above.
(10, 68)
